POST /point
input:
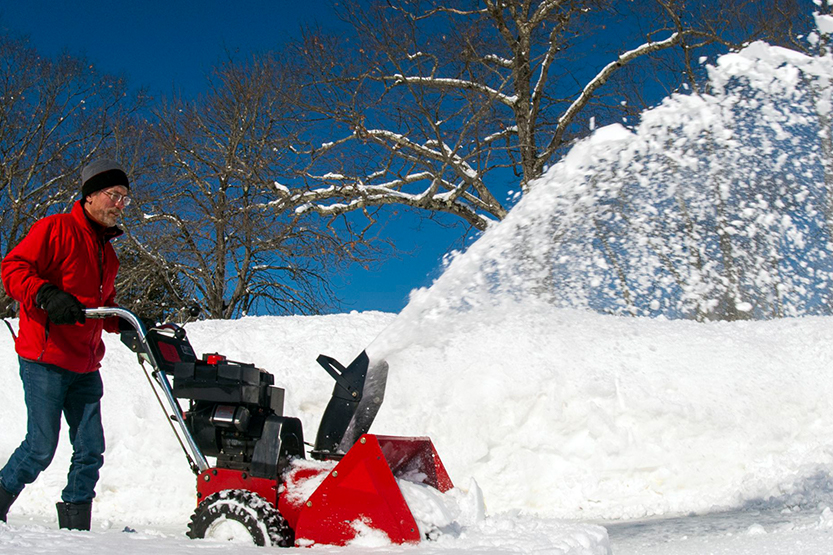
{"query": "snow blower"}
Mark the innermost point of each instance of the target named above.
(262, 486)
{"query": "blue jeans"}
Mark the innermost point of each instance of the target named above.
(48, 392)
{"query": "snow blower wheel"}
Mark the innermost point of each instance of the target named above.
(235, 515)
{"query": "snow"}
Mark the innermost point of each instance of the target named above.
(825, 24)
(568, 421)
(634, 221)
(146, 493)
(565, 431)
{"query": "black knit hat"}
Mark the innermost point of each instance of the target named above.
(100, 174)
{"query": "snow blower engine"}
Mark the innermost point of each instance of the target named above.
(235, 413)
(261, 485)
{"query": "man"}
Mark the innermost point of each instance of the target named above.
(64, 264)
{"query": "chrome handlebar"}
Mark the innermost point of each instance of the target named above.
(162, 378)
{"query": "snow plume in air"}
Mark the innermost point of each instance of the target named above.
(713, 207)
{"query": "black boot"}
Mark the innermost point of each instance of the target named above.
(6, 500)
(74, 516)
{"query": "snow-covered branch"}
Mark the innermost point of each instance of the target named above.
(600, 79)
(446, 83)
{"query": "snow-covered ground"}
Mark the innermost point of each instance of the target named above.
(585, 433)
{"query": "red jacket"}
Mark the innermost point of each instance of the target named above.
(73, 253)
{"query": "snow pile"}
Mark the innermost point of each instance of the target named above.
(575, 415)
(304, 477)
(556, 413)
(438, 513)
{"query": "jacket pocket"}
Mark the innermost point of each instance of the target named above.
(45, 339)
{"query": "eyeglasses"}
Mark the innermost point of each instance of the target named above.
(118, 197)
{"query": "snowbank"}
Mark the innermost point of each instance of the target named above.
(574, 415)
(146, 481)
(558, 413)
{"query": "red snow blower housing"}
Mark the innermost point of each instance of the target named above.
(261, 484)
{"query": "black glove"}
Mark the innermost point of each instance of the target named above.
(60, 306)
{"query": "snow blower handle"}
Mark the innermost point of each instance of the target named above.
(147, 348)
(123, 313)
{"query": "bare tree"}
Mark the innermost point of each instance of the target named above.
(142, 285)
(216, 224)
(438, 105)
(55, 115)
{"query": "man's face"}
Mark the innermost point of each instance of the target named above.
(103, 209)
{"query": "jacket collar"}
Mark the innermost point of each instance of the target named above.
(82, 218)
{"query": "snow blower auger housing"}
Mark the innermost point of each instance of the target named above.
(259, 486)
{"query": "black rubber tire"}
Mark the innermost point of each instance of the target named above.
(264, 523)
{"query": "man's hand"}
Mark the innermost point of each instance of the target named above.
(60, 306)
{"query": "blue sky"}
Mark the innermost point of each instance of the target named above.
(172, 45)
(157, 43)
